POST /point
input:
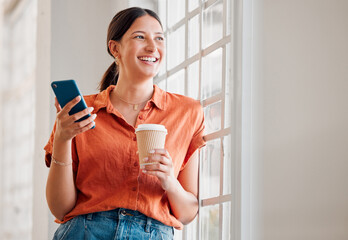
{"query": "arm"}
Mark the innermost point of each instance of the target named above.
(60, 188)
(182, 191)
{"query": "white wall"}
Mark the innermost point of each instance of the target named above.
(299, 116)
(79, 30)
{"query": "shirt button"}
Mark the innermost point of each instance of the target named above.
(136, 164)
(134, 189)
(134, 138)
(141, 117)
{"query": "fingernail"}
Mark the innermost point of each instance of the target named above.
(94, 116)
(152, 151)
(90, 109)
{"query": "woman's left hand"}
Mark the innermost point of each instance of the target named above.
(161, 167)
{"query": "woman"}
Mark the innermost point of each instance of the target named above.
(95, 187)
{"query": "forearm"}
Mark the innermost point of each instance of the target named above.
(184, 204)
(60, 188)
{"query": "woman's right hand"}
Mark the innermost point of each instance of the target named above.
(66, 126)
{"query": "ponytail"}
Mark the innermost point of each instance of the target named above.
(110, 77)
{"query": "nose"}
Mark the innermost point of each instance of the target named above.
(151, 46)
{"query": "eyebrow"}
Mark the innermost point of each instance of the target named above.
(145, 32)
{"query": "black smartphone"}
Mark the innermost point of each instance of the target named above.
(67, 90)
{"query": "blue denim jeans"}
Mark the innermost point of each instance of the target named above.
(113, 225)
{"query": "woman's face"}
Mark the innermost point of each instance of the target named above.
(142, 48)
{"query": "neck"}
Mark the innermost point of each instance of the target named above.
(133, 92)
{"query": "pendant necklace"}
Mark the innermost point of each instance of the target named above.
(135, 105)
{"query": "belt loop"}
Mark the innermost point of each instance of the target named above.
(89, 216)
(148, 224)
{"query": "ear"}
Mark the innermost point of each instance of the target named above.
(114, 48)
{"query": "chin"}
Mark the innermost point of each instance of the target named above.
(148, 74)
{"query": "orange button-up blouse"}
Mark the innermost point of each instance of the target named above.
(105, 159)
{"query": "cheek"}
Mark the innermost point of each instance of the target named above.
(162, 52)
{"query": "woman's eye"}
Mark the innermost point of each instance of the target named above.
(139, 37)
(160, 38)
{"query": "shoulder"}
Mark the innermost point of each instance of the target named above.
(89, 99)
(178, 100)
(187, 106)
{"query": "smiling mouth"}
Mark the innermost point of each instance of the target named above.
(148, 59)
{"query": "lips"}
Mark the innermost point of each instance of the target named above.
(148, 59)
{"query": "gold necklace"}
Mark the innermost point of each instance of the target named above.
(135, 105)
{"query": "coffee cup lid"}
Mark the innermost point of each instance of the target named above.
(156, 127)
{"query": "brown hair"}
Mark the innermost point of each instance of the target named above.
(118, 26)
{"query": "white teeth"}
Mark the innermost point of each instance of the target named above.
(148, 59)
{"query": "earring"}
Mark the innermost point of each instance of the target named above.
(116, 60)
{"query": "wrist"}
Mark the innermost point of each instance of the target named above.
(173, 185)
(58, 139)
(60, 163)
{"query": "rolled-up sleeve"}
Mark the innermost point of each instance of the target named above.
(197, 141)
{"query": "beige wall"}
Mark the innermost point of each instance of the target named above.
(299, 120)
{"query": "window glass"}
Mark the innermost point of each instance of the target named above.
(210, 222)
(191, 229)
(212, 24)
(162, 84)
(193, 80)
(212, 114)
(210, 178)
(193, 4)
(193, 36)
(162, 5)
(176, 83)
(212, 74)
(226, 220)
(176, 11)
(176, 47)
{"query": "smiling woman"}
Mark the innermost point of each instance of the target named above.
(117, 28)
(95, 182)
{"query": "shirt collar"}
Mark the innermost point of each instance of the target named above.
(159, 99)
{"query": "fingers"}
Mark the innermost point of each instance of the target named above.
(159, 156)
(71, 104)
(85, 123)
(161, 167)
(81, 114)
(89, 125)
(160, 152)
(68, 126)
(56, 104)
(159, 160)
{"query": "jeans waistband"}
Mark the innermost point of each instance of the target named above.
(132, 215)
